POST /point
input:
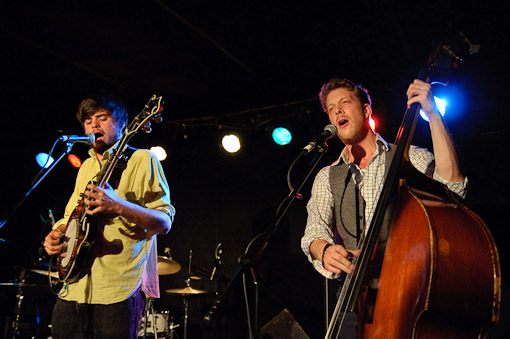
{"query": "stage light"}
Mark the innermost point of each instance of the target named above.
(74, 160)
(42, 160)
(231, 143)
(372, 123)
(443, 96)
(441, 107)
(281, 136)
(159, 152)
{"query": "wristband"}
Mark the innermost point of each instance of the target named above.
(324, 252)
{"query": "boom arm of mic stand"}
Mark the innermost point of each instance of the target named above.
(6, 219)
(247, 261)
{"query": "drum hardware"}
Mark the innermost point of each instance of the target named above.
(46, 273)
(186, 293)
(21, 284)
(157, 324)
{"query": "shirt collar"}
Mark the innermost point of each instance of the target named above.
(381, 144)
(107, 154)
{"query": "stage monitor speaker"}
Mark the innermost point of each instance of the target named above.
(283, 326)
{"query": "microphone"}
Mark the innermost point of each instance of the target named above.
(52, 218)
(167, 252)
(217, 260)
(88, 138)
(328, 133)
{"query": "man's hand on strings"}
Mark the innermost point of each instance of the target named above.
(52, 243)
(102, 200)
(337, 259)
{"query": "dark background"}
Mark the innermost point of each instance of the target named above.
(242, 67)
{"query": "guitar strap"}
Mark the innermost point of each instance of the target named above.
(121, 166)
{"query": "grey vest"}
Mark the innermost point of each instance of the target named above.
(349, 206)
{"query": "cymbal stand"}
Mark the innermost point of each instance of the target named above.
(185, 298)
(149, 310)
(186, 309)
(19, 300)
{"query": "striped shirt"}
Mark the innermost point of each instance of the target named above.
(320, 207)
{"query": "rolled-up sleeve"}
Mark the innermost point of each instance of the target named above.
(423, 160)
(320, 218)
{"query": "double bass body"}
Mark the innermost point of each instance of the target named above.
(440, 276)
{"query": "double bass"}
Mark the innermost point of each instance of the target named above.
(433, 271)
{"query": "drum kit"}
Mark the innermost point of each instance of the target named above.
(154, 324)
(160, 324)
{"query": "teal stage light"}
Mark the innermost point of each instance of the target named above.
(282, 136)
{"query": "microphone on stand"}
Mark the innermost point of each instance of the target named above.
(329, 132)
(167, 252)
(52, 218)
(88, 138)
(217, 262)
(41, 252)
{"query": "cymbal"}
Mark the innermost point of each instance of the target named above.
(45, 272)
(24, 285)
(185, 291)
(167, 265)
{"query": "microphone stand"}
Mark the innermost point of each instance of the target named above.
(251, 256)
(69, 146)
(14, 326)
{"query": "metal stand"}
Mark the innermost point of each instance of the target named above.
(186, 310)
(257, 245)
(19, 300)
(35, 183)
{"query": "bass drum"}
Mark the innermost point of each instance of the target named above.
(155, 323)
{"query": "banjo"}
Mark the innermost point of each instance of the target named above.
(80, 231)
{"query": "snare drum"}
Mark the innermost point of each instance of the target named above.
(156, 323)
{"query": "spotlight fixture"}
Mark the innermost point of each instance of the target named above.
(441, 107)
(443, 97)
(372, 123)
(159, 152)
(74, 160)
(231, 143)
(43, 161)
(281, 136)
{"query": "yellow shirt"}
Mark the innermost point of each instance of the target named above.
(123, 255)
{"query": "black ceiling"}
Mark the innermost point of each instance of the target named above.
(220, 63)
(214, 61)
(214, 57)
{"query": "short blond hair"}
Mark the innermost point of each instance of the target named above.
(360, 92)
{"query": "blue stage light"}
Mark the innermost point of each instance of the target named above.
(42, 160)
(441, 107)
